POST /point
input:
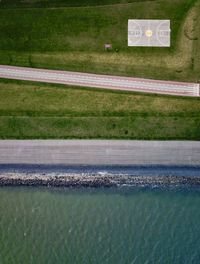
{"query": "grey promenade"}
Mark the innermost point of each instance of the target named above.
(99, 152)
(100, 81)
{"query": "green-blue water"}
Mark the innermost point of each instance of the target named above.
(99, 226)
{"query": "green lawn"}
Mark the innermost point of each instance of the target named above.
(72, 38)
(35, 110)
(60, 3)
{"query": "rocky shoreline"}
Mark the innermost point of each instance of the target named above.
(92, 180)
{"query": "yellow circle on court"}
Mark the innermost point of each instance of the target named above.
(148, 33)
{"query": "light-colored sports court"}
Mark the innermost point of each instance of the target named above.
(149, 33)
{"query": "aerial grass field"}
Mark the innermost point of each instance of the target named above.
(34, 110)
(73, 38)
(60, 3)
(66, 34)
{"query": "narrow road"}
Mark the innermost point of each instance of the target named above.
(100, 81)
(99, 152)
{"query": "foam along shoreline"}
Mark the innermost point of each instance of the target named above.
(95, 180)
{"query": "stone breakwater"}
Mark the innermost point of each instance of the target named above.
(92, 180)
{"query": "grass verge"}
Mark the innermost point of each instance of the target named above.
(35, 110)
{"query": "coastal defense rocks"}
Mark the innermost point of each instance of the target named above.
(92, 180)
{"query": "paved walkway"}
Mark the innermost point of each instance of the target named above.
(100, 81)
(99, 152)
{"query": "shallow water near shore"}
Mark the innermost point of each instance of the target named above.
(115, 225)
(135, 170)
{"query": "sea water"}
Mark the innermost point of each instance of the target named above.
(115, 225)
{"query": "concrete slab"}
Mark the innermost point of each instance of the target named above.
(99, 152)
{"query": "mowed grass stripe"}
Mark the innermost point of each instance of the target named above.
(150, 128)
(36, 110)
(61, 3)
(39, 99)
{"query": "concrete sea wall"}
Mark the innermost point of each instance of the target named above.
(18, 156)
